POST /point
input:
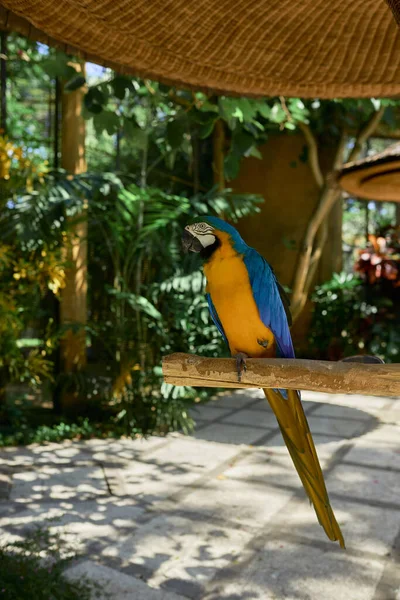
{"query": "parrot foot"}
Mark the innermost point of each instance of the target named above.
(240, 364)
(263, 343)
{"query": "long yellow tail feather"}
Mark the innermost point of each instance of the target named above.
(297, 436)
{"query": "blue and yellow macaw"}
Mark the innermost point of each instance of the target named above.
(251, 311)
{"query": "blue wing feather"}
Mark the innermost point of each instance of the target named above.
(215, 317)
(266, 294)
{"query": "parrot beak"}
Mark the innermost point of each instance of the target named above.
(190, 243)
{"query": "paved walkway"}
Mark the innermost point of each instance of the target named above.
(221, 514)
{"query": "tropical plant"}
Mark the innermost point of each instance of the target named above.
(351, 317)
(380, 261)
(26, 274)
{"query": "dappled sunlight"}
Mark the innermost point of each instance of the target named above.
(200, 518)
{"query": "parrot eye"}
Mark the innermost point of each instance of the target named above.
(203, 228)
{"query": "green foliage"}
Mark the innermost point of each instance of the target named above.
(29, 93)
(33, 568)
(28, 272)
(154, 303)
(21, 433)
(351, 318)
(145, 298)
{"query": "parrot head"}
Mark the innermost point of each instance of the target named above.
(206, 234)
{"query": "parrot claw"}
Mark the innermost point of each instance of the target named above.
(240, 364)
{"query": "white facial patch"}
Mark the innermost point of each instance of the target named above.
(203, 232)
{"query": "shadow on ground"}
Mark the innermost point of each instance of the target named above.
(221, 514)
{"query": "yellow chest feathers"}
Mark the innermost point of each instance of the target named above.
(229, 287)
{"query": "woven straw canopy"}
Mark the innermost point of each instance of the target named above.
(302, 48)
(395, 6)
(374, 178)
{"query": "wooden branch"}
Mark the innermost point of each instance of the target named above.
(310, 255)
(327, 200)
(366, 131)
(312, 153)
(321, 237)
(319, 376)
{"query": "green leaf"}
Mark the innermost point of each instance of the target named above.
(137, 302)
(57, 66)
(242, 109)
(94, 100)
(231, 165)
(207, 106)
(176, 130)
(264, 110)
(255, 153)
(206, 129)
(140, 114)
(106, 121)
(277, 114)
(137, 136)
(120, 85)
(75, 83)
(242, 141)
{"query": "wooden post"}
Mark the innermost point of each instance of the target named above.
(73, 309)
(219, 142)
(3, 82)
(293, 374)
(56, 126)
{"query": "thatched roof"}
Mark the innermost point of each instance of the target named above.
(302, 48)
(376, 177)
(395, 6)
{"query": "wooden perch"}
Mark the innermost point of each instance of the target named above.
(295, 374)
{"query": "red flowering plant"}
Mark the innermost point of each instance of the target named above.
(379, 263)
(360, 313)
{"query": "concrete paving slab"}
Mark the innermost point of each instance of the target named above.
(82, 524)
(230, 434)
(254, 418)
(326, 445)
(366, 529)
(82, 453)
(180, 554)
(224, 519)
(35, 454)
(369, 404)
(264, 467)
(209, 412)
(384, 434)
(51, 483)
(376, 454)
(366, 403)
(197, 455)
(264, 405)
(289, 571)
(365, 484)
(245, 502)
(150, 481)
(123, 450)
(344, 428)
(109, 584)
(342, 412)
(239, 399)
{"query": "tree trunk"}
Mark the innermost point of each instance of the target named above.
(219, 154)
(317, 232)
